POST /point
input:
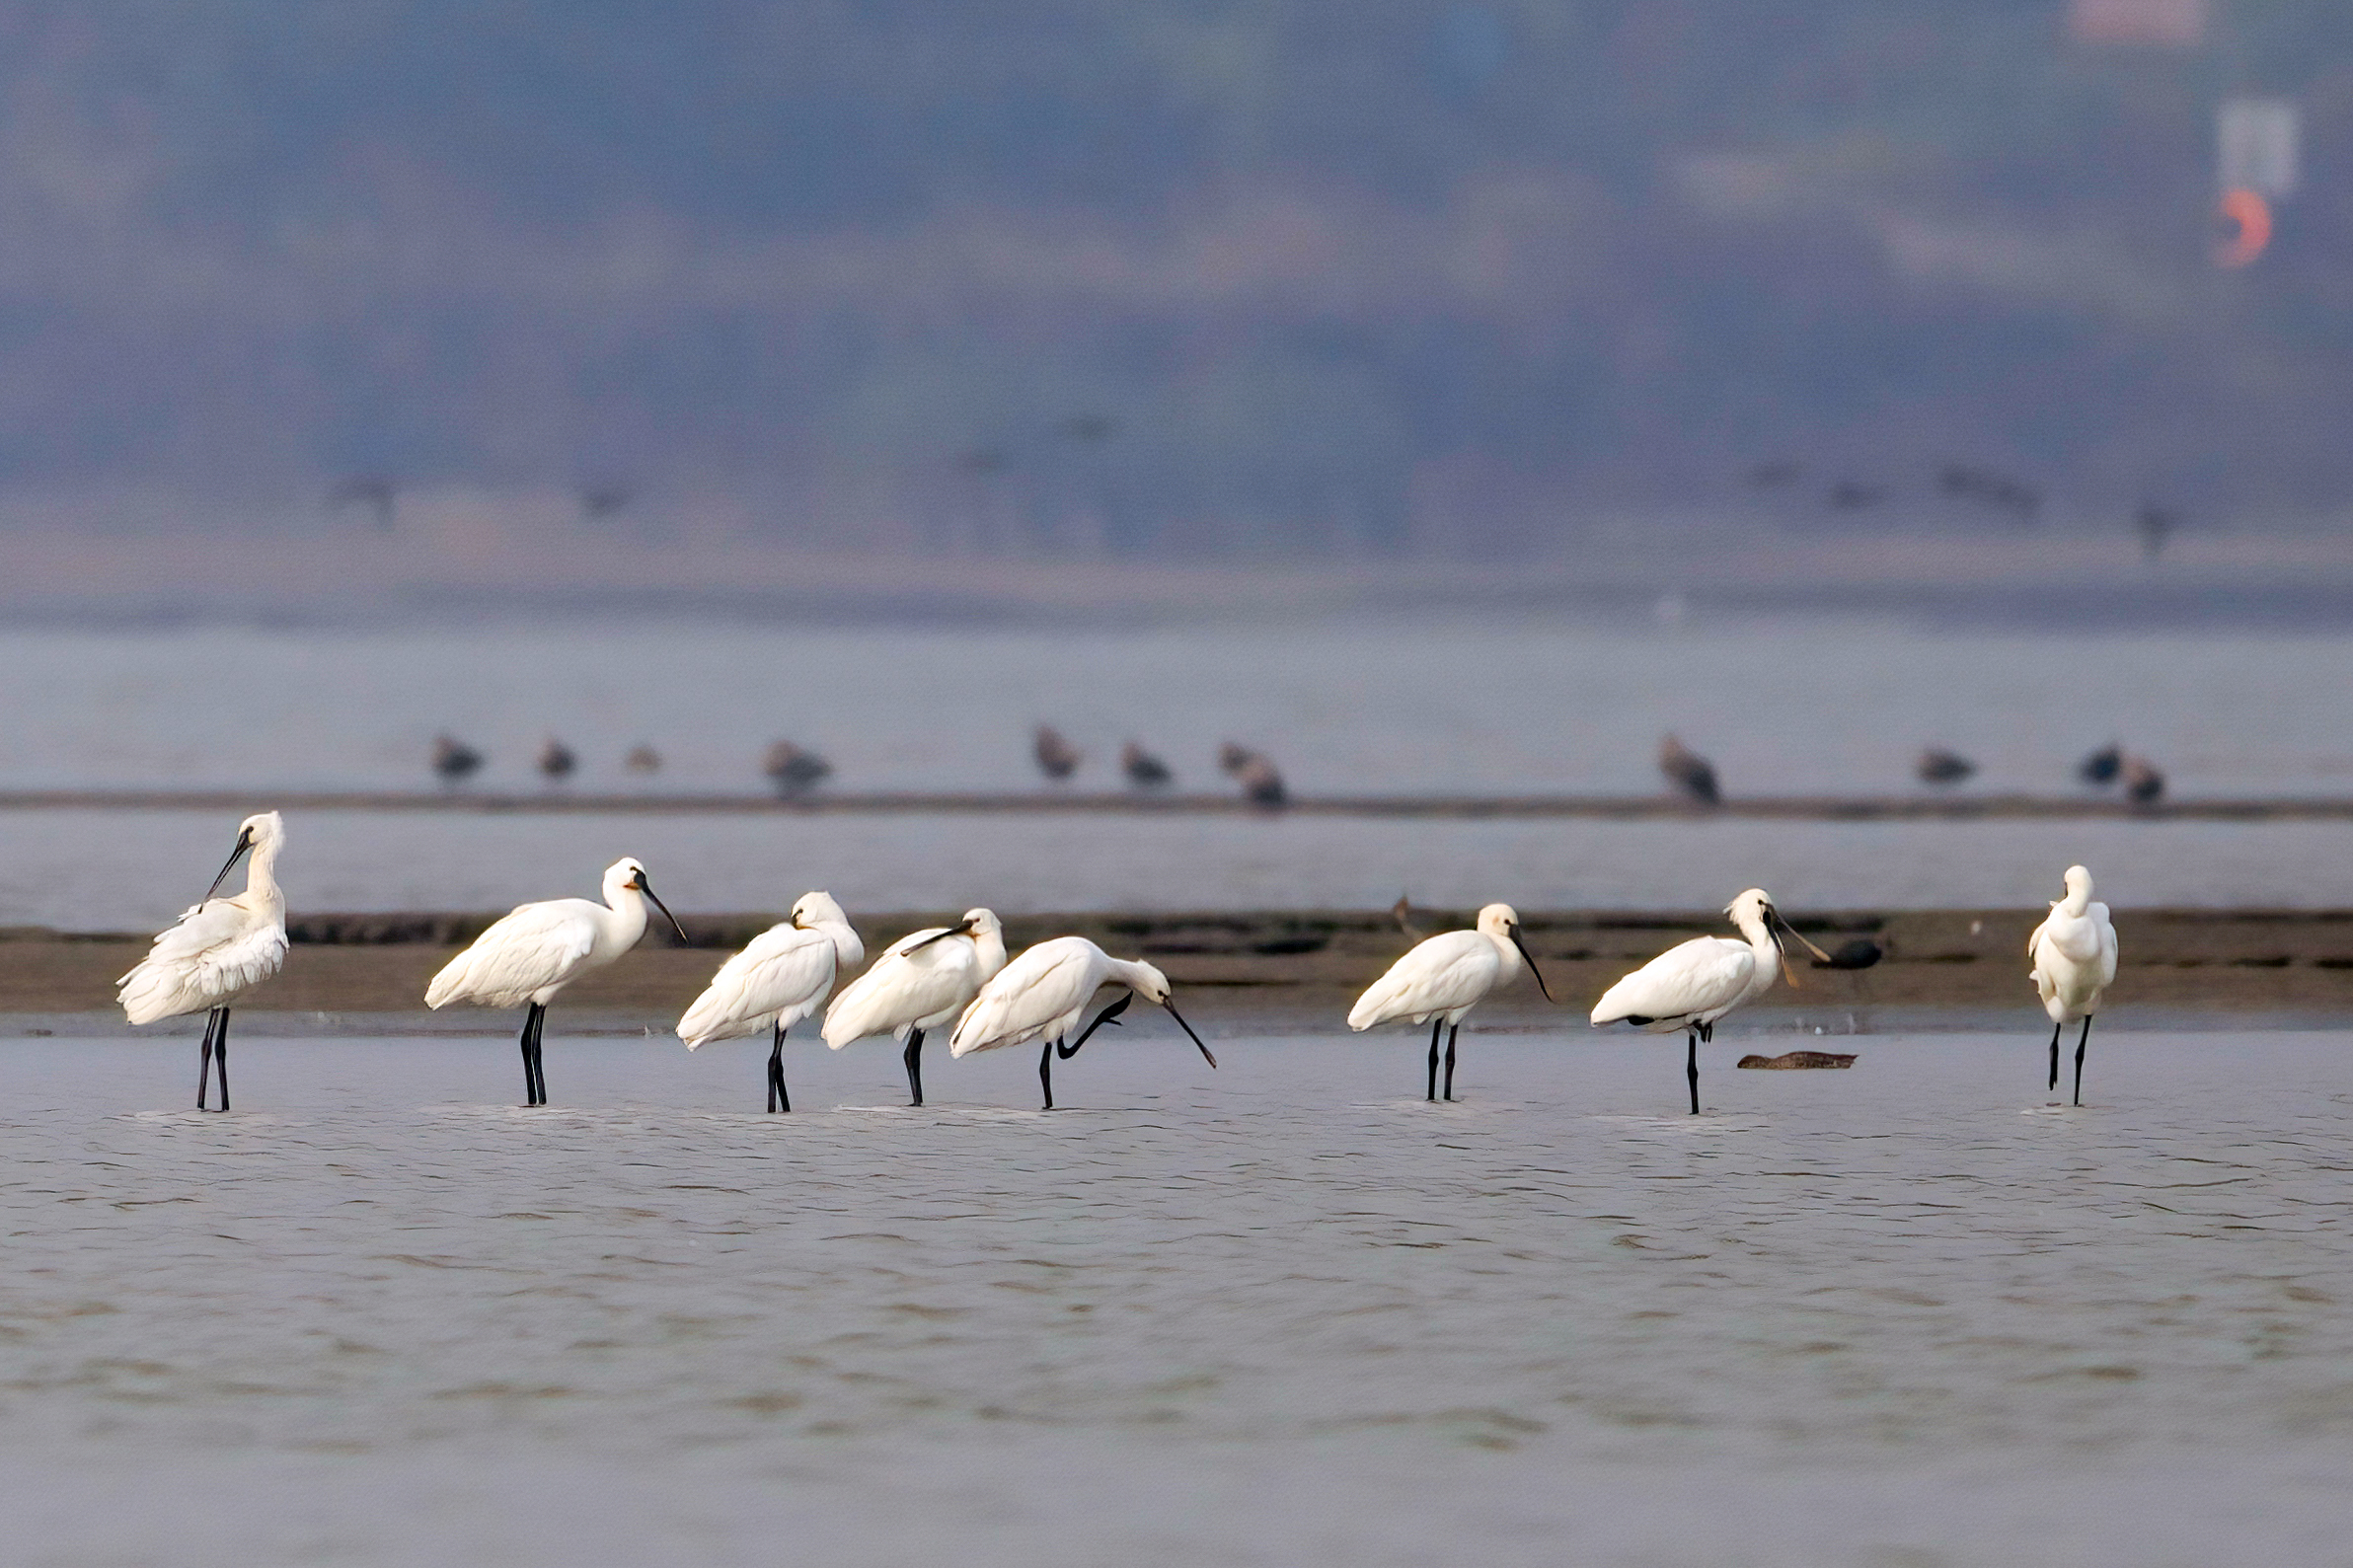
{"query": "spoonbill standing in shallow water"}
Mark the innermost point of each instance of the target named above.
(535, 950)
(1691, 985)
(2075, 960)
(777, 981)
(921, 981)
(1041, 994)
(219, 949)
(1444, 977)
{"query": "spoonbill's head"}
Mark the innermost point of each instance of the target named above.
(2078, 885)
(981, 923)
(817, 909)
(1153, 986)
(263, 831)
(628, 875)
(1756, 906)
(1502, 921)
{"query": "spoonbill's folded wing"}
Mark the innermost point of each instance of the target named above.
(904, 985)
(1026, 999)
(1451, 970)
(531, 946)
(216, 950)
(1692, 977)
(783, 973)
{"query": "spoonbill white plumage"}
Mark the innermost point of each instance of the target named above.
(1043, 993)
(218, 950)
(779, 979)
(535, 950)
(1693, 984)
(2074, 960)
(922, 981)
(1444, 977)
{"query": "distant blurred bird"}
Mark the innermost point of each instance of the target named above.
(454, 760)
(1057, 758)
(2102, 766)
(377, 494)
(643, 758)
(1403, 913)
(1692, 775)
(793, 769)
(2143, 784)
(2154, 524)
(1261, 784)
(1936, 766)
(1859, 952)
(1849, 495)
(557, 761)
(1991, 489)
(603, 501)
(1142, 769)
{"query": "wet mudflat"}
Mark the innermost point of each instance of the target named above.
(1283, 1313)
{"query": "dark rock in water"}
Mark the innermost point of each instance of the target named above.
(1797, 1059)
(1860, 953)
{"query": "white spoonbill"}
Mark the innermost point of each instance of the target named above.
(219, 949)
(777, 981)
(2075, 960)
(1444, 977)
(535, 950)
(1041, 994)
(1691, 985)
(921, 981)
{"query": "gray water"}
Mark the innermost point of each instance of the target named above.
(1283, 1313)
(1459, 709)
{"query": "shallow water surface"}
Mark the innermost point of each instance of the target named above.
(1285, 1312)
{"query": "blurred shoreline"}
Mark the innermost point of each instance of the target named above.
(1276, 965)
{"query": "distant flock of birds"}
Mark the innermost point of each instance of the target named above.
(796, 770)
(960, 977)
(1693, 776)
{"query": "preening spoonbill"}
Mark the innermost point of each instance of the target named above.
(1042, 994)
(922, 981)
(219, 949)
(1691, 985)
(1692, 775)
(1444, 977)
(777, 981)
(535, 950)
(2075, 960)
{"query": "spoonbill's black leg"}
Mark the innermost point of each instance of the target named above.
(1046, 1072)
(2055, 1030)
(532, 1093)
(2081, 1041)
(1450, 1035)
(778, 1099)
(914, 1060)
(1436, 1027)
(539, 1058)
(204, 1061)
(1109, 1015)
(220, 1057)
(1691, 1069)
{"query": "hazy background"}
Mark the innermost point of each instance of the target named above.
(319, 302)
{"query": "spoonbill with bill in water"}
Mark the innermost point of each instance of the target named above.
(218, 950)
(1444, 977)
(781, 978)
(921, 981)
(1043, 995)
(535, 950)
